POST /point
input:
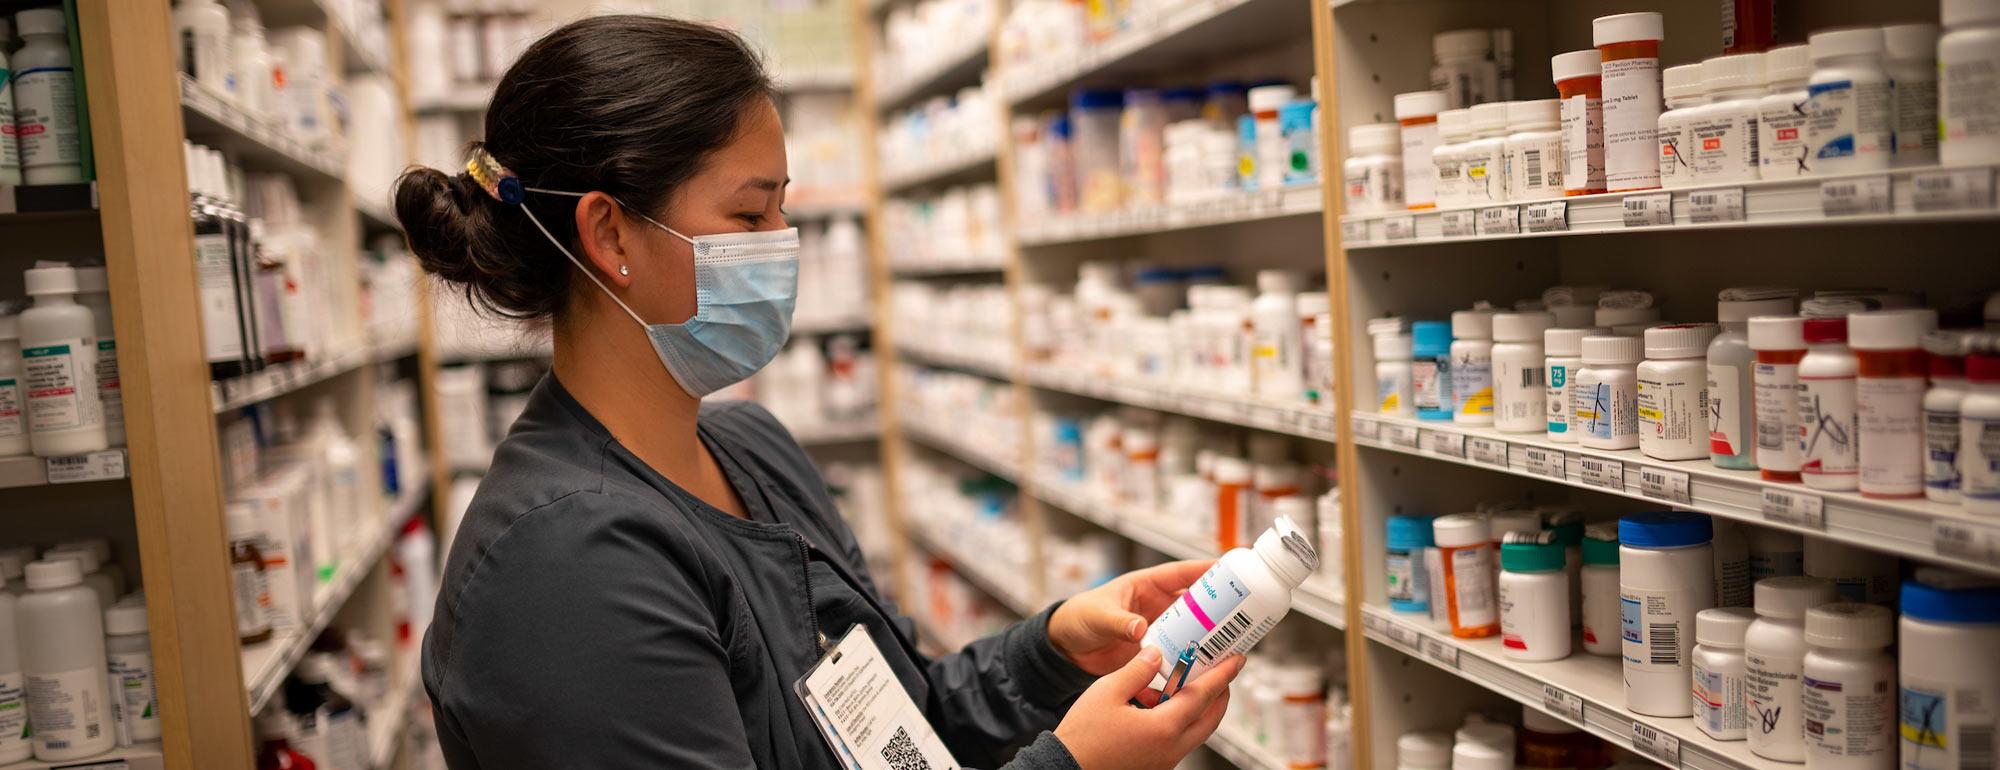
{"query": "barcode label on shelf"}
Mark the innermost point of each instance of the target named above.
(1500, 220)
(1458, 224)
(1963, 190)
(1663, 484)
(1400, 228)
(1365, 428)
(1965, 540)
(1651, 741)
(1707, 206)
(1445, 443)
(1539, 461)
(1562, 703)
(1445, 653)
(1851, 197)
(96, 466)
(1599, 472)
(1652, 210)
(1354, 230)
(1404, 436)
(1799, 509)
(1548, 217)
(1487, 451)
(1406, 636)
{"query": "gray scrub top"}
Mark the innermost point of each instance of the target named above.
(594, 615)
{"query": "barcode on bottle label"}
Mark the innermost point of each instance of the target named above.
(1975, 746)
(1652, 210)
(1539, 461)
(1487, 451)
(1445, 443)
(1962, 190)
(1459, 224)
(1663, 484)
(1649, 740)
(1354, 231)
(1852, 197)
(1224, 636)
(1599, 472)
(1500, 220)
(1548, 217)
(1705, 206)
(1562, 703)
(1965, 540)
(1799, 509)
(1400, 228)
(96, 466)
(1365, 428)
(1404, 436)
(1441, 651)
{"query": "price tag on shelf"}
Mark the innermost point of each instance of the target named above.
(1404, 436)
(1365, 428)
(1965, 540)
(1706, 206)
(1445, 443)
(1400, 228)
(1354, 230)
(1562, 703)
(1540, 461)
(1487, 451)
(1445, 653)
(1852, 197)
(1790, 506)
(1651, 741)
(1548, 216)
(96, 466)
(1407, 636)
(1500, 220)
(1599, 472)
(1459, 224)
(1963, 190)
(1651, 210)
(1319, 424)
(1662, 484)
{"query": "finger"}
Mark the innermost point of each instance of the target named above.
(1114, 625)
(1193, 699)
(1135, 677)
(1147, 698)
(1205, 725)
(1172, 576)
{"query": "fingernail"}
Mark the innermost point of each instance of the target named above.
(1135, 629)
(1149, 654)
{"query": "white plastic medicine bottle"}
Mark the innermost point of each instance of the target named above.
(1472, 366)
(1781, 114)
(1417, 115)
(14, 741)
(10, 150)
(45, 100)
(1828, 436)
(1520, 392)
(62, 655)
(1465, 71)
(1534, 597)
(1277, 341)
(1233, 605)
(1423, 750)
(1486, 155)
(13, 397)
(129, 651)
(1673, 392)
(93, 290)
(1847, 124)
(1910, 56)
(1968, 73)
(59, 366)
(1578, 79)
(1563, 354)
(1858, 574)
(1534, 150)
(1889, 388)
(1949, 680)
(1603, 402)
(1393, 390)
(1629, 48)
(1684, 91)
(1665, 577)
(1978, 422)
(1849, 687)
(1600, 590)
(1774, 652)
(1373, 173)
(1722, 135)
(1448, 159)
(1719, 705)
(1732, 424)
(1779, 343)
(1946, 351)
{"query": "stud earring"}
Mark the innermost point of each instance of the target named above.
(623, 270)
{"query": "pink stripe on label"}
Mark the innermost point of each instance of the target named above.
(1206, 624)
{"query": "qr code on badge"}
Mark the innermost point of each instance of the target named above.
(902, 754)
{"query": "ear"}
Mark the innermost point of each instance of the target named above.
(608, 239)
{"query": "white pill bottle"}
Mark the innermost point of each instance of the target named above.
(1850, 687)
(1666, 576)
(1774, 652)
(1968, 73)
(1948, 676)
(1848, 114)
(1233, 605)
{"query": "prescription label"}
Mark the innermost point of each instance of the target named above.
(1663, 484)
(1599, 472)
(1548, 217)
(1459, 224)
(1799, 509)
(1400, 228)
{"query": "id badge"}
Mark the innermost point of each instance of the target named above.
(864, 714)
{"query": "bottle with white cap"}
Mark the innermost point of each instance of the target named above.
(1270, 138)
(93, 576)
(1599, 579)
(12, 570)
(129, 654)
(14, 437)
(1464, 583)
(1448, 158)
(1393, 389)
(1472, 366)
(1968, 73)
(1534, 597)
(1483, 746)
(1534, 149)
(1520, 392)
(1722, 135)
(1719, 707)
(1945, 351)
(1246, 593)
(14, 745)
(1732, 423)
(1276, 339)
(1563, 355)
(1684, 90)
(1417, 116)
(1630, 48)
(1465, 71)
(1666, 576)
(1889, 384)
(1579, 79)
(1774, 651)
(1829, 456)
(1486, 155)
(1373, 172)
(1978, 422)
(62, 656)
(1673, 392)
(59, 366)
(45, 100)
(1779, 343)
(106, 563)
(1847, 124)
(1423, 750)
(1603, 402)
(1849, 687)
(10, 150)
(1910, 55)
(93, 290)
(1781, 113)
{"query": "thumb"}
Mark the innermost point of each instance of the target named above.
(1136, 675)
(1115, 626)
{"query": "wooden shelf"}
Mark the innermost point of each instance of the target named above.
(1152, 43)
(1293, 418)
(1226, 208)
(257, 142)
(961, 166)
(935, 356)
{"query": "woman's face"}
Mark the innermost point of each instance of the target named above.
(740, 189)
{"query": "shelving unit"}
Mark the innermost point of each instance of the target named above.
(1223, 209)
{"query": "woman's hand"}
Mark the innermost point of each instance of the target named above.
(1104, 731)
(1100, 629)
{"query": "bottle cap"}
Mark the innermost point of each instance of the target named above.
(1287, 550)
(1982, 367)
(1270, 98)
(1374, 139)
(1612, 351)
(1568, 342)
(125, 619)
(1679, 341)
(1566, 521)
(1788, 64)
(49, 574)
(1423, 750)
(1740, 304)
(1620, 316)
(49, 280)
(1777, 332)
(1833, 43)
(1486, 734)
(92, 279)
(1430, 338)
(1274, 476)
(1389, 325)
(1472, 324)
(1408, 533)
(1890, 329)
(1420, 104)
(1459, 530)
(1096, 98)
(86, 561)
(1294, 507)
(1682, 82)
(1824, 330)
(1665, 529)
(1522, 327)
(1461, 44)
(1910, 41)
(1531, 557)
(1587, 63)
(1503, 522)
(41, 21)
(1932, 600)
(1392, 347)
(1232, 470)
(11, 566)
(1850, 626)
(1277, 281)
(1743, 70)
(1534, 113)
(1955, 13)
(1600, 544)
(1455, 125)
(1791, 595)
(1138, 439)
(1489, 118)
(1722, 626)
(1574, 316)
(1627, 28)
(1535, 720)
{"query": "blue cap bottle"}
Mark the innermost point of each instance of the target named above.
(1430, 369)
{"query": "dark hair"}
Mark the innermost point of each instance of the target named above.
(628, 105)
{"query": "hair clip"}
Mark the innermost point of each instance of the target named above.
(495, 178)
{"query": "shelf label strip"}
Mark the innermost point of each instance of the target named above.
(1963, 190)
(96, 466)
(1539, 461)
(1548, 217)
(1852, 197)
(1651, 210)
(1709, 206)
(1445, 443)
(1599, 472)
(1651, 741)
(1487, 451)
(1799, 509)
(1562, 703)
(1500, 220)
(1662, 484)
(1400, 228)
(1458, 224)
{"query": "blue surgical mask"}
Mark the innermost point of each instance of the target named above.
(745, 287)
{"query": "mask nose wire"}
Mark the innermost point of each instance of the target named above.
(579, 263)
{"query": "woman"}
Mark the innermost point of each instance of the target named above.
(642, 578)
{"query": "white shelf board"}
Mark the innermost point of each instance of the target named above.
(258, 142)
(1222, 209)
(844, 324)
(965, 164)
(925, 354)
(1583, 689)
(945, 441)
(1242, 750)
(1000, 587)
(846, 432)
(942, 77)
(280, 379)
(940, 268)
(1165, 39)
(1909, 528)
(390, 718)
(1769, 203)
(1291, 418)
(138, 756)
(31, 471)
(266, 663)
